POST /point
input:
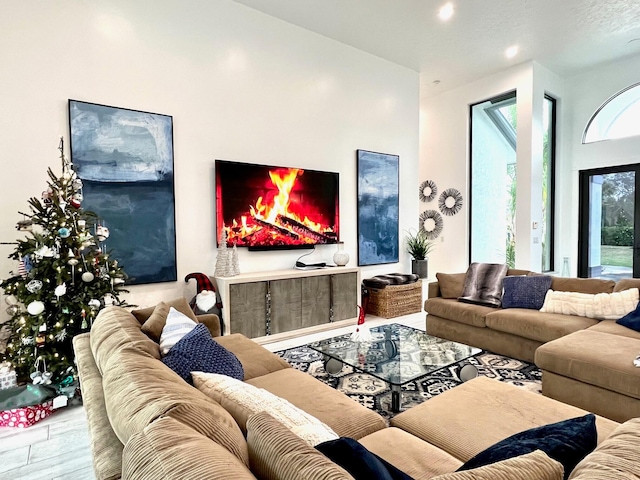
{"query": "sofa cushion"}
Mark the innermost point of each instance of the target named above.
(567, 441)
(113, 329)
(417, 458)
(451, 284)
(152, 327)
(138, 389)
(626, 284)
(535, 325)
(483, 284)
(360, 462)
(612, 327)
(482, 412)
(344, 416)
(474, 315)
(525, 291)
(532, 466)
(594, 358)
(277, 453)
(180, 304)
(197, 351)
(599, 305)
(176, 326)
(242, 400)
(615, 458)
(170, 450)
(582, 285)
(255, 359)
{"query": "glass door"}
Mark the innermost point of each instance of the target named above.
(609, 244)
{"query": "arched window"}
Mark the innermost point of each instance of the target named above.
(618, 117)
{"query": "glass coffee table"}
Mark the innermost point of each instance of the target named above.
(397, 354)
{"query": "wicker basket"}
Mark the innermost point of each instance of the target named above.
(395, 300)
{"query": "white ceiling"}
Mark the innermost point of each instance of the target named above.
(565, 36)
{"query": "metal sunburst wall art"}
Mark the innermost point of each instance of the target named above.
(428, 191)
(450, 201)
(431, 224)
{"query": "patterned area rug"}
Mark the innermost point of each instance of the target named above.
(376, 395)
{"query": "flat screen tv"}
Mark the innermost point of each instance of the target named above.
(268, 207)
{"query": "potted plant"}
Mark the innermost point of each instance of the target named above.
(419, 246)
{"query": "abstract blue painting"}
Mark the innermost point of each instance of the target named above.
(378, 208)
(125, 161)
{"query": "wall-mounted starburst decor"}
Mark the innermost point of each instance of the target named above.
(450, 202)
(431, 224)
(427, 191)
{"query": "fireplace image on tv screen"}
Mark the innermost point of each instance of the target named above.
(268, 207)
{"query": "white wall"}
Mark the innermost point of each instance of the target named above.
(584, 94)
(240, 86)
(444, 157)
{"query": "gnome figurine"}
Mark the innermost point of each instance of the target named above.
(362, 333)
(206, 300)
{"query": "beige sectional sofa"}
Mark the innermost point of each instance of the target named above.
(585, 362)
(146, 422)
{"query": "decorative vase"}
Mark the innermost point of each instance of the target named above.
(565, 267)
(420, 267)
(341, 258)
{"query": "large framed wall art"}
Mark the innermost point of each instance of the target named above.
(125, 161)
(378, 208)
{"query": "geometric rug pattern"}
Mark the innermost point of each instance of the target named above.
(375, 394)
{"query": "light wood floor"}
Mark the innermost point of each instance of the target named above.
(58, 447)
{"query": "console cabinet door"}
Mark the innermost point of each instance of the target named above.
(316, 300)
(286, 304)
(344, 295)
(247, 308)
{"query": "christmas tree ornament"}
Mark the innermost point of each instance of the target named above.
(84, 319)
(12, 310)
(87, 277)
(28, 341)
(61, 335)
(64, 232)
(94, 304)
(40, 339)
(71, 258)
(82, 224)
(102, 233)
(77, 184)
(60, 290)
(35, 308)
(62, 204)
(34, 286)
(11, 300)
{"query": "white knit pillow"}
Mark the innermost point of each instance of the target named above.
(602, 306)
(242, 400)
(177, 326)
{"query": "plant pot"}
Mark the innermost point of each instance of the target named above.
(420, 267)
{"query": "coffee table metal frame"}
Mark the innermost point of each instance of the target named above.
(397, 355)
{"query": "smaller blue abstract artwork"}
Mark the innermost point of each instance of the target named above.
(378, 208)
(125, 161)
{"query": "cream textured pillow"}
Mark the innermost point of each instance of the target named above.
(176, 327)
(602, 306)
(242, 400)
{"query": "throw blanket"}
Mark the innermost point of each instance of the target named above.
(602, 306)
(483, 284)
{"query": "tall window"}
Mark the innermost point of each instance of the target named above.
(493, 180)
(494, 186)
(618, 117)
(548, 171)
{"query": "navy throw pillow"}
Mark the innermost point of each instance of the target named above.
(525, 292)
(568, 442)
(631, 320)
(358, 461)
(197, 351)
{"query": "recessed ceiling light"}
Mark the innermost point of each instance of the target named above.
(511, 51)
(446, 11)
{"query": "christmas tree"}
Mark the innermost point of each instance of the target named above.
(65, 276)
